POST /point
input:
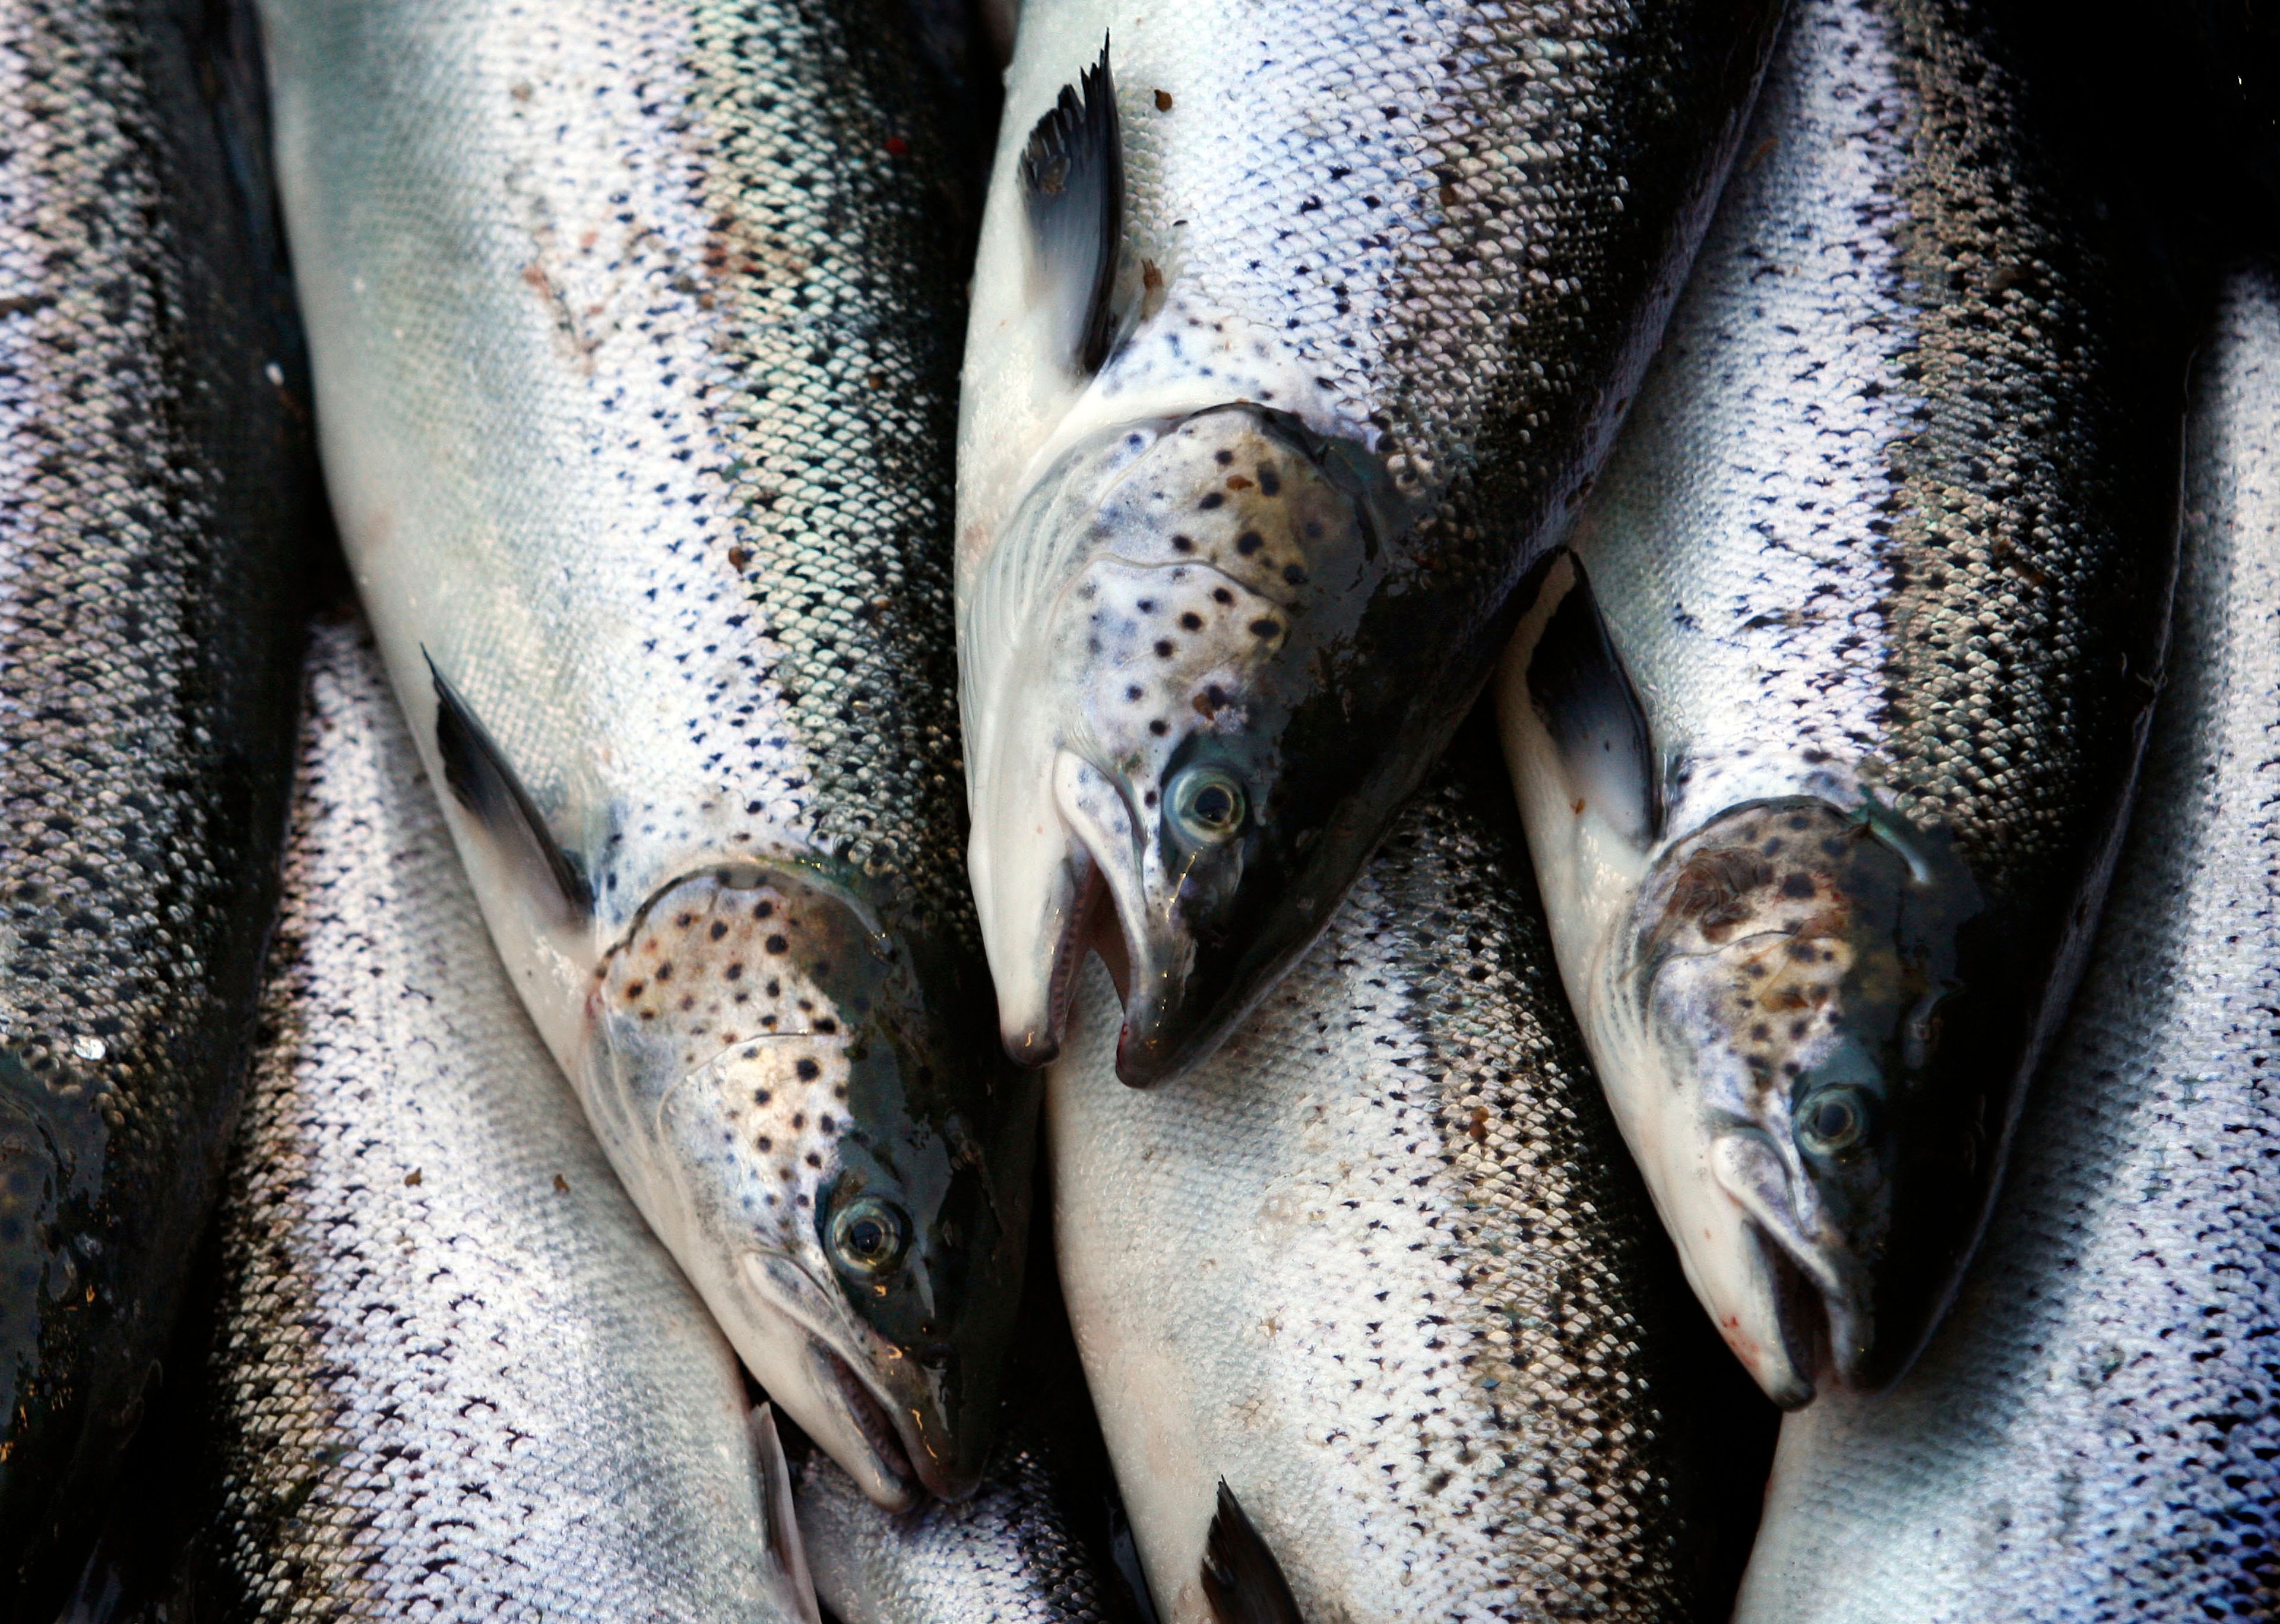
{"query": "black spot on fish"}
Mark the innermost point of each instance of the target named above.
(808, 1071)
(1270, 483)
(1192, 622)
(1212, 499)
(1264, 628)
(1164, 648)
(1249, 543)
(777, 944)
(720, 930)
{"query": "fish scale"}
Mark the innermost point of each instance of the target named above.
(153, 488)
(1382, 1265)
(634, 331)
(2092, 1436)
(453, 1376)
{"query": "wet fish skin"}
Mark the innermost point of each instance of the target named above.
(1824, 728)
(2091, 1435)
(452, 1371)
(1383, 1266)
(635, 337)
(1384, 281)
(154, 491)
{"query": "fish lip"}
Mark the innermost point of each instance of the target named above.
(1147, 1055)
(1800, 1316)
(874, 1421)
(1823, 1329)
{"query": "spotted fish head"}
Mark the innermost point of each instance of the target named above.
(1166, 764)
(838, 1158)
(1795, 976)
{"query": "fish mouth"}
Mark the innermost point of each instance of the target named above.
(1087, 926)
(1799, 1319)
(873, 1423)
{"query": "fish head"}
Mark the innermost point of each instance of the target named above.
(1166, 765)
(1793, 975)
(840, 1163)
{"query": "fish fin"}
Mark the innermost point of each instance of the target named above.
(786, 1551)
(1579, 687)
(1071, 175)
(1242, 1580)
(475, 770)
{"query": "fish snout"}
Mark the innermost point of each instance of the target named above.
(1797, 1288)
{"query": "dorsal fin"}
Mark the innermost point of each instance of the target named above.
(1242, 1580)
(787, 1553)
(1071, 175)
(476, 772)
(1579, 687)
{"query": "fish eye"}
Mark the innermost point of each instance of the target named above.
(1207, 804)
(869, 1234)
(1833, 1120)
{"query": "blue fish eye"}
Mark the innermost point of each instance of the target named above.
(1831, 1121)
(869, 1235)
(1207, 804)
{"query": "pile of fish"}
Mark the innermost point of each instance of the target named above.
(1441, 816)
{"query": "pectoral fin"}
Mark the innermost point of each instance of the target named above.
(477, 774)
(1599, 730)
(1071, 175)
(785, 1553)
(1242, 1580)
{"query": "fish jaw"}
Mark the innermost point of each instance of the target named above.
(1161, 660)
(772, 1076)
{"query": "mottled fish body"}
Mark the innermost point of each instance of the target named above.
(1381, 1267)
(635, 337)
(1824, 724)
(1291, 347)
(453, 1374)
(155, 485)
(2091, 1435)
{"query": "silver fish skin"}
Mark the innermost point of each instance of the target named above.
(156, 490)
(1382, 1264)
(1296, 329)
(2090, 1436)
(1824, 724)
(634, 330)
(1035, 1544)
(454, 1375)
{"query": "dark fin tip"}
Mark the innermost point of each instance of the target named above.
(476, 772)
(1242, 1580)
(1071, 174)
(1577, 681)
